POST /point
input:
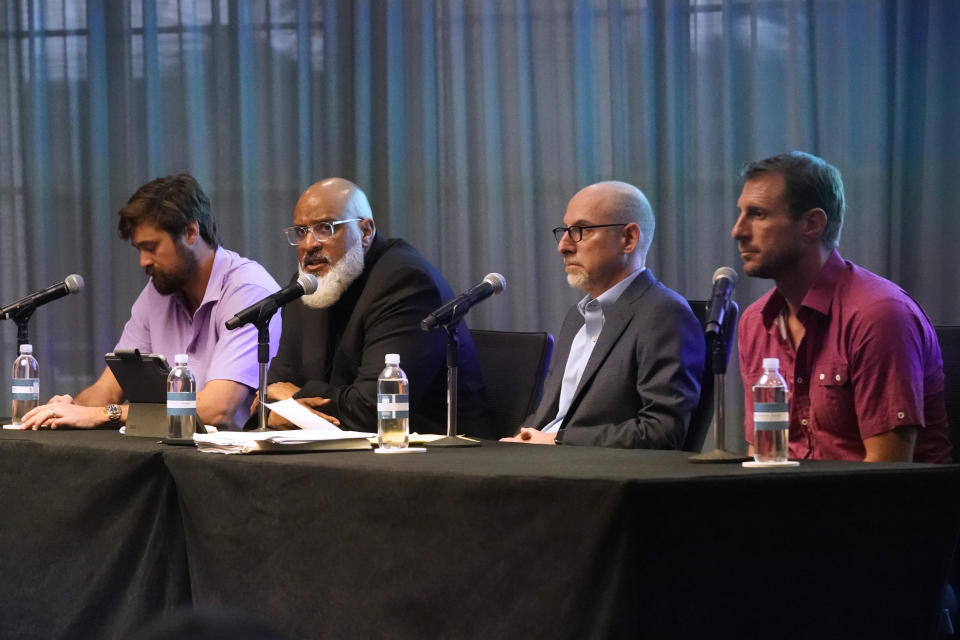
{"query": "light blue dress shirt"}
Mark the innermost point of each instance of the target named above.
(592, 311)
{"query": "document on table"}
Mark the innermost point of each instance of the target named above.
(278, 441)
(301, 416)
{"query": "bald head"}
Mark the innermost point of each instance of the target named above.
(607, 230)
(333, 199)
(615, 201)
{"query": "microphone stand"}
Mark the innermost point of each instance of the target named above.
(718, 365)
(22, 318)
(453, 357)
(262, 323)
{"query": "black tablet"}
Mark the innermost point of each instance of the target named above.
(142, 376)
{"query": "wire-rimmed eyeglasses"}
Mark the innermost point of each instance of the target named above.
(576, 231)
(320, 231)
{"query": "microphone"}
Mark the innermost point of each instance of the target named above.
(263, 310)
(458, 307)
(724, 279)
(72, 284)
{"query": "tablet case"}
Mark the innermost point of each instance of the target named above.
(143, 378)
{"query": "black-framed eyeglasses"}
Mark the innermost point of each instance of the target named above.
(576, 231)
(320, 231)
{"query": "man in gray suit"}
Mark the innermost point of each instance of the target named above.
(630, 354)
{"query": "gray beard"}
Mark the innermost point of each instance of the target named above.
(332, 284)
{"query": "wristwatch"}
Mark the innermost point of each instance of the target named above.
(114, 415)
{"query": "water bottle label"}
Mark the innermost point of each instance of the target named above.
(768, 416)
(393, 405)
(181, 403)
(25, 388)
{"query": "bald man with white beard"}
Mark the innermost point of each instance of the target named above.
(373, 292)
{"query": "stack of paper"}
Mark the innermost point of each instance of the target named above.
(279, 441)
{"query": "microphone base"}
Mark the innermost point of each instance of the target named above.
(453, 441)
(718, 456)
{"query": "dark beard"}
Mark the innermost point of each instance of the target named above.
(169, 282)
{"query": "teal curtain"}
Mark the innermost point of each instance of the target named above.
(469, 124)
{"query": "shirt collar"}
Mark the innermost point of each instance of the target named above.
(611, 295)
(819, 296)
(214, 284)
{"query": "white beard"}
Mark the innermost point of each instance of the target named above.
(581, 279)
(578, 280)
(332, 284)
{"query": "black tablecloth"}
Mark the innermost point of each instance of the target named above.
(90, 535)
(501, 541)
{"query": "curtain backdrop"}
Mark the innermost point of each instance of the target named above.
(469, 124)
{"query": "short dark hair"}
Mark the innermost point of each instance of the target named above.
(811, 183)
(170, 203)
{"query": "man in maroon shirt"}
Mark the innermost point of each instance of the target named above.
(860, 356)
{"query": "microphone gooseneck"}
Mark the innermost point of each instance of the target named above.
(71, 284)
(724, 280)
(449, 313)
(262, 311)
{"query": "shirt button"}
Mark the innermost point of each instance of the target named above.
(804, 422)
(799, 380)
(900, 414)
(837, 377)
(823, 376)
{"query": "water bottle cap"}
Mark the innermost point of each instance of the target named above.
(26, 348)
(771, 363)
(392, 358)
(181, 358)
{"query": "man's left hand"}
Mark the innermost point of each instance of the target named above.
(532, 436)
(275, 393)
(281, 391)
(313, 404)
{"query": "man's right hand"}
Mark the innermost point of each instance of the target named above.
(56, 414)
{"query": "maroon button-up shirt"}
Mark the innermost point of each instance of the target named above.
(869, 363)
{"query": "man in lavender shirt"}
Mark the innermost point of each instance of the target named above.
(860, 356)
(195, 286)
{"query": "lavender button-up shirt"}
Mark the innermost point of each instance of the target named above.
(162, 324)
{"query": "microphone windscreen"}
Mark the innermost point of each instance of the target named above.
(725, 272)
(498, 282)
(308, 282)
(74, 283)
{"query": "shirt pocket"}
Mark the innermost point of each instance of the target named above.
(831, 398)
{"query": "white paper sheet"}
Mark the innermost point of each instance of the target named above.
(300, 415)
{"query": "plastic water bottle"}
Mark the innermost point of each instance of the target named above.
(25, 389)
(181, 399)
(393, 405)
(771, 414)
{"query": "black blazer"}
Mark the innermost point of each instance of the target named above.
(338, 352)
(642, 380)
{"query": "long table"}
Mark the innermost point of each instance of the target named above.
(100, 531)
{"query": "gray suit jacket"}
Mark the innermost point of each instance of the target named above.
(642, 380)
